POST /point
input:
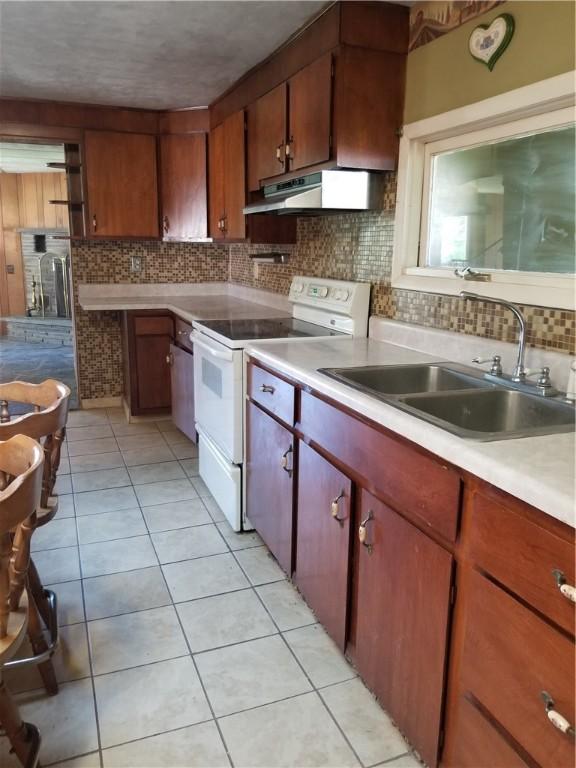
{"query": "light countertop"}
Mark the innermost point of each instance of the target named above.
(538, 470)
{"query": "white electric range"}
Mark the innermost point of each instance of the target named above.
(321, 308)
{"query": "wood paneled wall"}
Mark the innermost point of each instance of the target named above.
(24, 202)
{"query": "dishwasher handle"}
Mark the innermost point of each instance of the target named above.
(221, 354)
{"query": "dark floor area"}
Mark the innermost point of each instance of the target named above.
(35, 362)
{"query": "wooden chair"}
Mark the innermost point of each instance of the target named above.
(21, 467)
(47, 425)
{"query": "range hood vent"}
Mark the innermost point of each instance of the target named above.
(322, 192)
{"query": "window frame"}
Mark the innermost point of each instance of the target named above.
(541, 105)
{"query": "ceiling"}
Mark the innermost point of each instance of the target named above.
(29, 158)
(156, 55)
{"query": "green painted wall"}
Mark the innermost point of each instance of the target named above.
(442, 75)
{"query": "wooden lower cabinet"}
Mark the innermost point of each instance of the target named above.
(270, 483)
(323, 540)
(147, 337)
(400, 617)
(182, 390)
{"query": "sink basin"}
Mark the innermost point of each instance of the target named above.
(460, 400)
(494, 413)
(406, 379)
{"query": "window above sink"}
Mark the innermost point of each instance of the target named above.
(486, 193)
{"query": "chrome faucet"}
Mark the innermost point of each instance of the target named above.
(519, 374)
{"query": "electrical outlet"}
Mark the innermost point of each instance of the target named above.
(135, 264)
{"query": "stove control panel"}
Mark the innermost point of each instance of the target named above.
(315, 298)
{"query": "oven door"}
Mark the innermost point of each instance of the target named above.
(218, 394)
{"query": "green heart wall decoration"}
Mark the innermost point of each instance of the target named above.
(489, 41)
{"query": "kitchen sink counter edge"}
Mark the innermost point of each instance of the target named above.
(538, 470)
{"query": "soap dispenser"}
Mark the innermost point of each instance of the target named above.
(571, 386)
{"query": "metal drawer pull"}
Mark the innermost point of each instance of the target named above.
(557, 720)
(566, 589)
(267, 388)
(363, 532)
(334, 508)
(284, 461)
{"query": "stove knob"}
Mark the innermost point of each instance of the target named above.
(337, 294)
(298, 287)
(322, 292)
(344, 294)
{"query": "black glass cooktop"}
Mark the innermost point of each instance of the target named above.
(267, 328)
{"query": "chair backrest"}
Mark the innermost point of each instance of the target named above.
(21, 460)
(47, 422)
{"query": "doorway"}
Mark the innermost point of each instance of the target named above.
(36, 306)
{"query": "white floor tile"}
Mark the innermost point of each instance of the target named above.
(86, 761)
(145, 701)
(116, 415)
(92, 447)
(65, 506)
(250, 674)
(286, 606)
(198, 746)
(203, 577)
(201, 487)
(96, 461)
(152, 455)
(133, 639)
(224, 619)
(152, 473)
(178, 514)
(55, 565)
(56, 533)
(73, 434)
(70, 602)
(184, 450)
(63, 485)
(190, 466)
(116, 556)
(87, 418)
(365, 724)
(110, 525)
(64, 466)
(165, 492)
(319, 655)
(94, 502)
(125, 592)
(406, 761)
(297, 733)
(99, 480)
(259, 565)
(215, 512)
(135, 442)
(239, 540)
(188, 543)
(130, 430)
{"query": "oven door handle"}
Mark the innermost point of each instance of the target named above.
(227, 355)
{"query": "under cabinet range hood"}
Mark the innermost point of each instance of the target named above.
(324, 191)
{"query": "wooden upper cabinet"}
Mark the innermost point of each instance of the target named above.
(216, 182)
(310, 107)
(183, 182)
(399, 628)
(227, 182)
(267, 136)
(122, 184)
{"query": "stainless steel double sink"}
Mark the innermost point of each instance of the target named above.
(460, 400)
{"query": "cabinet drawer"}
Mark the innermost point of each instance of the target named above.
(161, 325)
(523, 556)
(413, 482)
(273, 393)
(182, 331)
(475, 741)
(510, 656)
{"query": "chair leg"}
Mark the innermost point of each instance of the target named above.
(38, 594)
(24, 738)
(39, 645)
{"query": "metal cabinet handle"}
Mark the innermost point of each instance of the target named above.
(334, 507)
(363, 532)
(284, 461)
(267, 388)
(170, 358)
(566, 589)
(94, 223)
(165, 224)
(557, 720)
(288, 148)
(280, 152)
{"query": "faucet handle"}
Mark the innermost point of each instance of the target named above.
(543, 379)
(496, 360)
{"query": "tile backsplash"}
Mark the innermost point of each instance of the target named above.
(353, 246)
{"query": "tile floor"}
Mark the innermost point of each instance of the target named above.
(182, 642)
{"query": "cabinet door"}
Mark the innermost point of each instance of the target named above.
(310, 94)
(182, 389)
(323, 540)
(216, 182)
(183, 186)
(400, 609)
(269, 483)
(150, 362)
(234, 176)
(267, 136)
(122, 184)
